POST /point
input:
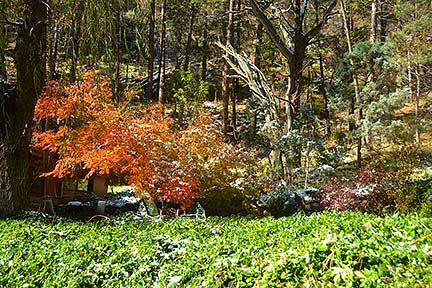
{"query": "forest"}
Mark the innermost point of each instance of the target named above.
(263, 143)
(221, 101)
(234, 104)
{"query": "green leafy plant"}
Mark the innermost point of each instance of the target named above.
(187, 93)
(349, 249)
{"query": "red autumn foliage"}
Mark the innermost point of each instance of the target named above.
(367, 191)
(95, 135)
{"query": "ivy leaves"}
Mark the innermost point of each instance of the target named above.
(348, 249)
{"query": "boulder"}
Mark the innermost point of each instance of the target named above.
(281, 202)
(307, 199)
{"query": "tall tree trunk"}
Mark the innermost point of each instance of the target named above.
(3, 74)
(257, 63)
(189, 38)
(383, 21)
(16, 114)
(325, 96)
(117, 57)
(417, 103)
(74, 56)
(76, 38)
(322, 84)
(356, 85)
(293, 49)
(225, 81)
(53, 50)
(410, 83)
(293, 46)
(375, 30)
(162, 54)
(205, 49)
(151, 45)
(236, 87)
(259, 42)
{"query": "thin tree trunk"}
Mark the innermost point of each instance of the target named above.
(151, 44)
(44, 47)
(225, 99)
(259, 41)
(15, 128)
(52, 61)
(237, 80)
(74, 58)
(189, 38)
(225, 81)
(322, 83)
(257, 63)
(373, 29)
(205, 49)
(162, 54)
(410, 86)
(76, 38)
(383, 21)
(117, 59)
(3, 74)
(356, 85)
(325, 97)
(417, 104)
(375, 20)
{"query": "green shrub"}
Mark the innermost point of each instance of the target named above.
(187, 94)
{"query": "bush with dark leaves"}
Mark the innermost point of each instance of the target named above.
(368, 191)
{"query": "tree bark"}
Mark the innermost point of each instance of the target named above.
(76, 38)
(322, 84)
(151, 45)
(189, 38)
(53, 50)
(225, 81)
(205, 49)
(236, 83)
(409, 72)
(375, 30)
(16, 115)
(259, 42)
(162, 54)
(117, 56)
(417, 103)
(3, 74)
(356, 85)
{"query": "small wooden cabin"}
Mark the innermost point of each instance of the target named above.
(41, 162)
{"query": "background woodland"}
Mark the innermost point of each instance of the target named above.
(221, 101)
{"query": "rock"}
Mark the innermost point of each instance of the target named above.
(281, 202)
(307, 199)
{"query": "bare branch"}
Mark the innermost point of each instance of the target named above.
(253, 77)
(13, 23)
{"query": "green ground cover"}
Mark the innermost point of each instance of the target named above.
(328, 249)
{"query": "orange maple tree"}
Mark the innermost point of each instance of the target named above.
(91, 133)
